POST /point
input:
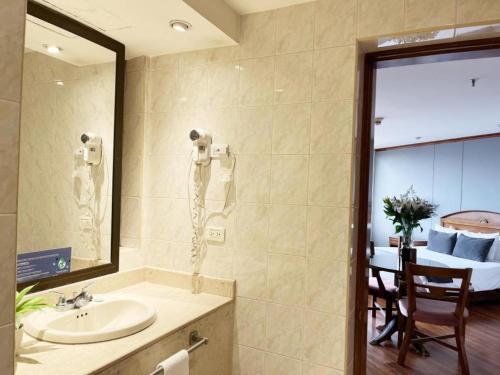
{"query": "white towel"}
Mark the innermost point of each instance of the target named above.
(178, 364)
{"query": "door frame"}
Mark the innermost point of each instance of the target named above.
(364, 151)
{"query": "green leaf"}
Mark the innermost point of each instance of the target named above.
(20, 295)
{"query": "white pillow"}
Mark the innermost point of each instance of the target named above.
(494, 253)
(440, 228)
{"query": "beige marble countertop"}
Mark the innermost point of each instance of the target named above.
(175, 307)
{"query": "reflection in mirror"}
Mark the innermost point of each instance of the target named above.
(66, 153)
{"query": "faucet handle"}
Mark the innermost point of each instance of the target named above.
(61, 302)
(84, 289)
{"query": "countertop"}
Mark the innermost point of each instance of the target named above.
(175, 308)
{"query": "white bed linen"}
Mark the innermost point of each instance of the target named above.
(485, 275)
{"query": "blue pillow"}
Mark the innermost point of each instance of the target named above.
(473, 248)
(441, 242)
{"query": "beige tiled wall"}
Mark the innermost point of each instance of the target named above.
(60, 102)
(133, 155)
(12, 15)
(286, 109)
(284, 100)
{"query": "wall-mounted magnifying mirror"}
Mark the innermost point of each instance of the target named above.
(70, 151)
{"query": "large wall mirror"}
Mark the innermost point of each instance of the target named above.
(70, 151)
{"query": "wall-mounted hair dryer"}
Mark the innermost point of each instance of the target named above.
(202, 140)
(92, 148)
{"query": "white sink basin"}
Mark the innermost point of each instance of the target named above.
(113, 318)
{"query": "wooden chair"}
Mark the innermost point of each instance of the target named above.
(436, 304)
(378, 288)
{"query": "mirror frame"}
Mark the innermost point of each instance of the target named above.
(60, 20)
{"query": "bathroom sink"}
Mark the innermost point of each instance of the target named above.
(98, 321)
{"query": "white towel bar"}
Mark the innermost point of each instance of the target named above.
(195, 341)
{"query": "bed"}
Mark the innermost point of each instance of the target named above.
(485, 278)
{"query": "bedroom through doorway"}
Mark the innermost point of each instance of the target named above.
(431, 296)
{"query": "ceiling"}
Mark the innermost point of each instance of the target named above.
(436, 101)
(75, 50)
(252, 6)
(143, 26)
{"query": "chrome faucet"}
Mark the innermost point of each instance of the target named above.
(81, 299)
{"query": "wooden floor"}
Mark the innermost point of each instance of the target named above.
(482, 345)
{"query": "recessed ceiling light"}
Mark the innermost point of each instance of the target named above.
(180, 26)
(52, 49)
(59, 83)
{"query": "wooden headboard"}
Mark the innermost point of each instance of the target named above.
(473, 221)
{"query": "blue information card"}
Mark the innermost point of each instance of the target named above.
(41, 264)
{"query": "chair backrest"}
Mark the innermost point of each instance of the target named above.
(372, 249)
(442, 292)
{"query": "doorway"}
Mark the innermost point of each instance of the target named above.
(363, 178)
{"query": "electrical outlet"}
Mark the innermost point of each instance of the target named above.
(216, 234)
(219, 150)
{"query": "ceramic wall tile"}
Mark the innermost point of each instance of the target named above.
(9, 155)
(257, 34)
(326, 286)
(231, 53)
(248, 361)
(286, 279)
(223, 125)
(250, 272)
(289, 179)
(8, 261)
(324, 339)
(131, 175)
(335, 23)
(327, 232)
(159, 253)
(163, 88)
(429, 13)
(287, 229)
(332, 127)
(155, 210)
(218, 261)
(312, 369)
(284, 330)
(164, 61)
(7, 353)
(192, 87)
(291, 129)
(333, 76)
(252, 226)
(337, 168)
(293, 78)
(253, 175)
(160, 133)
(130, 217)
(250, 323)
(193, 59)
(136, 63)
(477, 10)
(295, 28)
(11, 67)
(277, 364)
(134, 92)
(254, 130)
(133, 134)
(223, 84)
(257, 81)
(380, 17)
